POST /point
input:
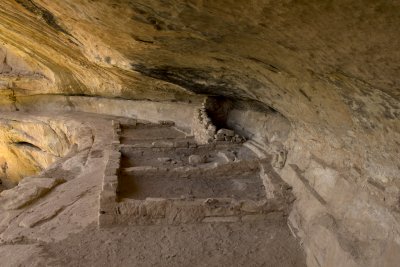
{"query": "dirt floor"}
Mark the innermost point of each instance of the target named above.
(246, 186)
(258, 243)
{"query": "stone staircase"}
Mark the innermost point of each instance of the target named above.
(165, 177)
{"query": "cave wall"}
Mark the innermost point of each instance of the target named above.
(30, 144)
(325, 73)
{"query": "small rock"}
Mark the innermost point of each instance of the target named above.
(226, 132)
(197, 159)
(219, 137)
(164, 160)
(227, 156)
(211, 201)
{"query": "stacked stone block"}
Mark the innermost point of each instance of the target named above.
(205, 132)
(108, 195)
(202, 127)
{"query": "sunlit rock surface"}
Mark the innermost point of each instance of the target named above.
(315, 83)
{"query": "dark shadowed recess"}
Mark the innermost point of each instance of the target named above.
(199, 81)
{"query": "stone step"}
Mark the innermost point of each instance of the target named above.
(210, 168)
(161, 182)
(178, 211)
(157, 142)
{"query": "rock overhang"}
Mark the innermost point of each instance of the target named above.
(290, 56)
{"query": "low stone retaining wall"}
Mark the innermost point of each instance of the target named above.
(152, 210)
(176, 211)
(179, 112)
(108, 195)
(202, 127)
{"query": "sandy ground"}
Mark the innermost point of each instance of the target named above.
(259, 243)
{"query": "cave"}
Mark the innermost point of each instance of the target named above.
(199, 133)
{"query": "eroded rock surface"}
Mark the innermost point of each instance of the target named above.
(27, 191)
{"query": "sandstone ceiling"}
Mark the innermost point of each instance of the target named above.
(317, 59)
